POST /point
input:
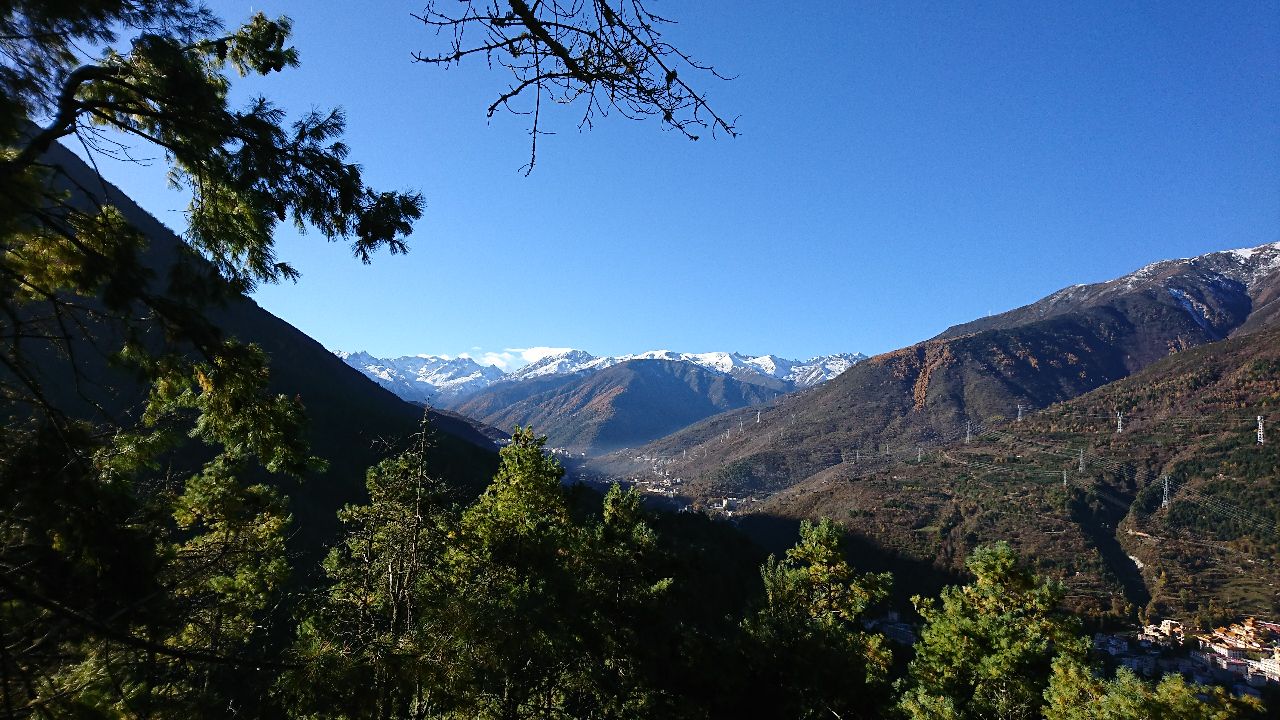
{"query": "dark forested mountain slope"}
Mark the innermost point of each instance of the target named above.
(352, 422)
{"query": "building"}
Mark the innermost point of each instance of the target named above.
(1112, 645)
(1144, 665)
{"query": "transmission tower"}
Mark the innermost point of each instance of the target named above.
(1081, 459)
(1262, 440)
(1019, 413)
(1164, 503)
(1119, 422)
(968, 432)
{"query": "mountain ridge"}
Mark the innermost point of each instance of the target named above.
(449, 382)
(351, 422)
(1104, 527)
(1064, 345)
(1250, 268)
(625, 404)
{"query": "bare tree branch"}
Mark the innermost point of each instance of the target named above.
(613, 55)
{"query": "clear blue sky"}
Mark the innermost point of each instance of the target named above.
(902, 167)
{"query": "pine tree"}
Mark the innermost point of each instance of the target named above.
(371, 646)
(987, 649)
(1077, 693)
(812, 654)
(184, 558)
(514, 588)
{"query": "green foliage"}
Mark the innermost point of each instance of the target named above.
(545, 603)
(812, 615)
(986, 650)
(517, 606)
(367, 649)
(1075, 693)
(231, 559)
(186, 575)
(64, 533)
(178, 605)
(234, 409)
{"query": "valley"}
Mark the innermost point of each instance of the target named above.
(1005, 428)
(248, 473)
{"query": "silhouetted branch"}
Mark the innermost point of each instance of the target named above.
(614, 57)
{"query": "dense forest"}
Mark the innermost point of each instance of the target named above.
(151, 564)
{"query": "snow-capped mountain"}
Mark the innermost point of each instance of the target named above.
(446, 382)
(1215, 290)
(793, 374)
(425, 378)
(821, 369)
(568, 362)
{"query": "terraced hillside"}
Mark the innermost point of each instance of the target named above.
(1104, 531)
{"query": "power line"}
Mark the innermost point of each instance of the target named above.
(1240, 515)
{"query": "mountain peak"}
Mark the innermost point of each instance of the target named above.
(1199, 284)
(565, 362)
(447, 381)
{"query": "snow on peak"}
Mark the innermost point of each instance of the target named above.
(424, 378)
(1245, 265)
(651, 355)
(816, 371)
(799, 373)
(1256, 262)
(720, 361)
(1247, 254)
(449, 380)
(772, 365)
(565, 361)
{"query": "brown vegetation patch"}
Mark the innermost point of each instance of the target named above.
(936, 355)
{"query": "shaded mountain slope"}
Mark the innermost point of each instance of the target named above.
(622, 405)
(491, 403)
(352, 423)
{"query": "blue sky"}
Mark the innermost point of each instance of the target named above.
(902, 167)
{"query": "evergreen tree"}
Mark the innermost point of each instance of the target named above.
(520, 606)
(812, 657)
(987, 649)
(624, 585)
(185, 559)
(515, 641)
(1076, 693)
(371, 647)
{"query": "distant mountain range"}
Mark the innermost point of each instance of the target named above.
(449, 382)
